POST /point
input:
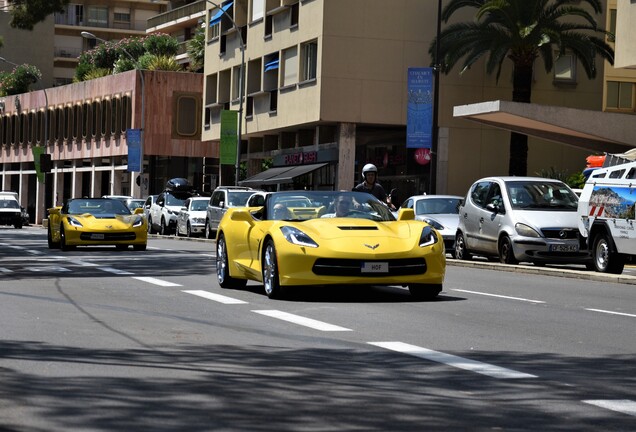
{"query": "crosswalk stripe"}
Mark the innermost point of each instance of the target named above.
(5, 270)
(453, 360)
(216, 297)
(296, 319)
(624, 406)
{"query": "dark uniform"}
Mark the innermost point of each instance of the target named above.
(376, 190)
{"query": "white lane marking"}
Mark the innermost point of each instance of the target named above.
(624, 406)
(156, 281)
(296, 319)
(611, 312)
(216, 297)
(500, 296)
(48, 269)
(115, 271)
(83, 263)
(210, 255)
(453, 360)
(5, 270)
(34, 252)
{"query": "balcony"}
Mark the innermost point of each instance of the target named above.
(177, 18)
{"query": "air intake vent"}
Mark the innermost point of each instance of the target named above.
(358, 228)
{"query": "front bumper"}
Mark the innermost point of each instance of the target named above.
(571, 251)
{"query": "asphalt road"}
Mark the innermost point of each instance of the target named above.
(102, 340)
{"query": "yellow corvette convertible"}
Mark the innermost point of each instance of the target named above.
(96, 221)
(341, 238)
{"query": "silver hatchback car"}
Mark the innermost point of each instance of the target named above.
(520, 219)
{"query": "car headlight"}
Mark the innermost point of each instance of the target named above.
(432, 222)
(526, 231)
(74, 222)
(428, 236)
(297, 237)
(139, 221)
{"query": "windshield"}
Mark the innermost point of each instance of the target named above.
(199, 205)
(97, 206)
(437, 206)
(176, 200)
(304, 205)
(9, 204)
(532, 195)
(238, 198)
(135, 204)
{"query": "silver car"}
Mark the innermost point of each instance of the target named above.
(439, 211)
(191, 218)
(517, 219)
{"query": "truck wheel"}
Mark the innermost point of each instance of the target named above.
(606, 261)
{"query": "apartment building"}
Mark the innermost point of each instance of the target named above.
(108, 20)
(326, 84)
(620, 79)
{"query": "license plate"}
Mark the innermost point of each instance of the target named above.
(97, 236)
(564, 248)
(375, 267)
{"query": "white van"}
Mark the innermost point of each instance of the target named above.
(606, 216)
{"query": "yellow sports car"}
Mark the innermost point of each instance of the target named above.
(343, 238)
(96, 221)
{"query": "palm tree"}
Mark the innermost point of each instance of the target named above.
(521, 30)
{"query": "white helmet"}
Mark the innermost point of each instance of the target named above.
(367, 169)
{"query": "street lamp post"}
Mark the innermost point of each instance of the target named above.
(88, 35)
(241, 72)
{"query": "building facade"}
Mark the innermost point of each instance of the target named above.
(329, 78)
(83, 126)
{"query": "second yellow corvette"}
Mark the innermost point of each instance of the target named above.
(342, 238)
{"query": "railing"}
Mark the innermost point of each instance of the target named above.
(67, 52)
(175, 14)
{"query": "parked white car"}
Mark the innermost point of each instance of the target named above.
(439, 211)
(191, 218)
(517, 219)
(224, 197)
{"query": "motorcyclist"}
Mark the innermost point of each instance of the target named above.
(371, 185)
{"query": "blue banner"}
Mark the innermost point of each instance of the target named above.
(133, 139)
(419, 116)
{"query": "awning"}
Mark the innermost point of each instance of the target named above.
(591, 130)
(271, 65)
(217, 16)
(280, 175)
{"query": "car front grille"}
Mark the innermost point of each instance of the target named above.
(560, 233)
(353, 267)
(125, 236)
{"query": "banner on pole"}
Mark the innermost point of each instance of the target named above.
(133, 138)
(229, 132)
(419, 116)
(37, 152)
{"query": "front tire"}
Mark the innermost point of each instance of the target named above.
(208, 230)
(605, 260)
(164, 228)
(188, 230)
(461, 252)
(49, 238)
(63, 246)
(223, 267)
(150, 228)
(506, 254)
(271, 280)
(425, 291)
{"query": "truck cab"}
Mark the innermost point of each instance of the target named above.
(606, 212)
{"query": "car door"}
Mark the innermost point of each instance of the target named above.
(472, 212)
(214, 209)
(182, 217)
(492, 218)
(156, 209)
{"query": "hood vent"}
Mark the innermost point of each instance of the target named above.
(358, 228)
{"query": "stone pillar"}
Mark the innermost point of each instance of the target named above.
(96, 188)
(40, 211)
(442, 161)
(58, 192)
(346, 156)
(77, 182)
(115, 181)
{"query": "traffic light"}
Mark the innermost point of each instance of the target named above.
(45, 163)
